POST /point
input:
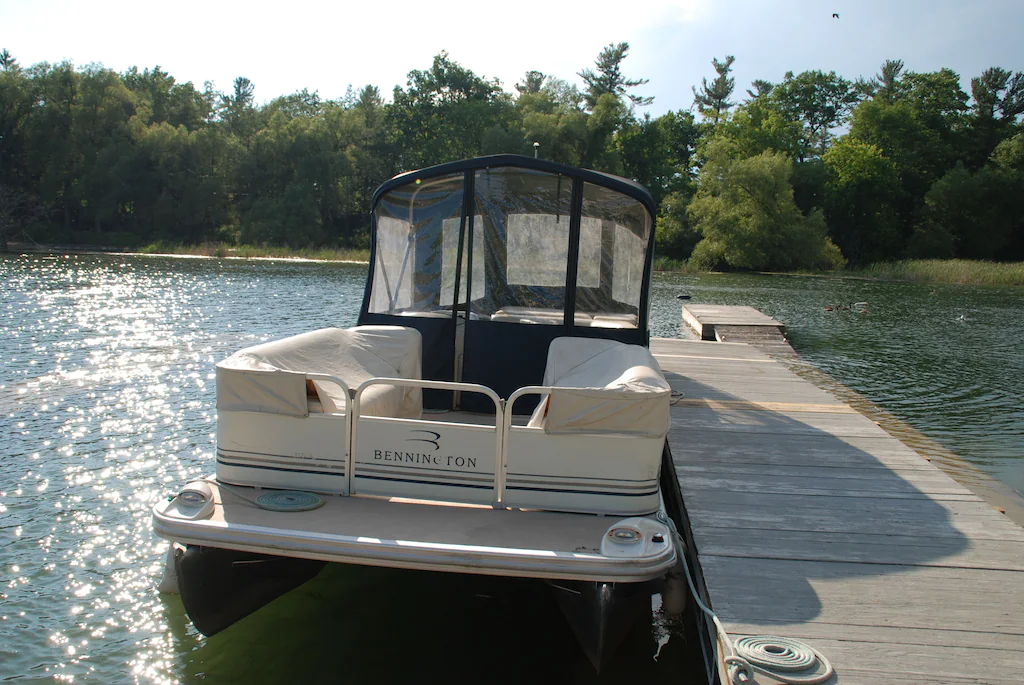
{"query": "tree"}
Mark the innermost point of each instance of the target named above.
(444, 112)
(820, 102)
(978, 214)
(17, 210)
(176, 103)
(746, 214)
(531, 84)
(760, 125)
(1009, 154)
(16, 105)
(998, 91)
(608, 78)
(922, 129)
(860, 201)
(676, 236)
(238, 111)
(659, 152)
(8, 61)
(886, 86)
(553, 117)
(998, 101)
(606, 119)
(712, 101)
(761, 89)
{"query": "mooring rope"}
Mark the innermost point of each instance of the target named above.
(289, 500)
(781, 658)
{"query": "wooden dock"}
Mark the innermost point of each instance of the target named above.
(726, 323)
(810, 521)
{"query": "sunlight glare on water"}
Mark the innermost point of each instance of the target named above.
(107, 398)
(107, 402)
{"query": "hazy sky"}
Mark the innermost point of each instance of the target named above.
(324, 46)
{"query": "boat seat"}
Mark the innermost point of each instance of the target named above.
(270, 377)
(603, 386)
(540, 316)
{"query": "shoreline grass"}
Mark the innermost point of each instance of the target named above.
(675, 265)
(956, 271)
(960, 271)
(224, 250)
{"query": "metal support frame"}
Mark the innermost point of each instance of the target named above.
(499, 433)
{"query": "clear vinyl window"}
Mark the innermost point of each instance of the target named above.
(614, 231)
(523, 220)
(417, 247)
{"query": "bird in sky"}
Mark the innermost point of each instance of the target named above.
(835, 15)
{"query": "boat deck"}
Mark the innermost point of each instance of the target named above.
(418, 534)
(810, 521)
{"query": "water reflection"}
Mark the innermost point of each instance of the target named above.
(944, 358)
(107, 396)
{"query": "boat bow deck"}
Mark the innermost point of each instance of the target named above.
(422, 535)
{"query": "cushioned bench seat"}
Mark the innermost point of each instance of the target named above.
(603, 386)
(594, 444)
(271, 377)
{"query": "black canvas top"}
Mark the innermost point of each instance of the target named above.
(622, 185)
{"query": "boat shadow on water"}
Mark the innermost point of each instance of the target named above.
(363, 624)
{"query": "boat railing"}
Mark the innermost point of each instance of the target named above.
(327, 378)
(506, 429)
(461, 433)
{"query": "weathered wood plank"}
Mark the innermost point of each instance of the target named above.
(864, 594)
(730, 315)
(811, 521)
(707, 348)
(936, 636)
(931, 481)
(808, 450)
(904, 550)
(911, 517)
(775, 423)
(763, 405)
(880, 487)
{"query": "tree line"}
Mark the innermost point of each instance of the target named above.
(813, 171)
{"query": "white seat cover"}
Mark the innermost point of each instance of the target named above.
(603, 386)
(271, 377)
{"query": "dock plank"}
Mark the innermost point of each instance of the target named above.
(811, 521)
(810, 450)
(928, 481)
(957, 520)
(896, 596)
(874, 548)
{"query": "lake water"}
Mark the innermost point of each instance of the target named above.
(107, 404)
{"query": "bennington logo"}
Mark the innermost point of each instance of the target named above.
(434, 442)
(431, 438)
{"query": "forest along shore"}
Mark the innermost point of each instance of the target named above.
(808, 171)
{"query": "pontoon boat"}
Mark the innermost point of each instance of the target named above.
(496, 410)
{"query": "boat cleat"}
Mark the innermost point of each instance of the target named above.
(193, 503)
(635, 538)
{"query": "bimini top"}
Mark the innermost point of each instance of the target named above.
(523, 250)
(517, 225)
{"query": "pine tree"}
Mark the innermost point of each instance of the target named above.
(713, 100)
(609, 79)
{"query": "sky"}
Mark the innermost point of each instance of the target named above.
(283, 47)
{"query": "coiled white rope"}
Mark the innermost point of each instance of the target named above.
(289, 500)
(781, 658)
